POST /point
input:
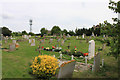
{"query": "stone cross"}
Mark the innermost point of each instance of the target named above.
(91, 49)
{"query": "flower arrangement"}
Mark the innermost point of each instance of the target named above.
(85, 54)
(44, 66)
(17, 45)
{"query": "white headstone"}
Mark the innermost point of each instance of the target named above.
(60, 56)
(14, 41)
(83, 36)
(72, 57)
(91, 49)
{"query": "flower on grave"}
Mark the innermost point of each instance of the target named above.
(17, 45)
(47, 48)
(44, 66)
(85, 54)
(53, 47)
(68, 50)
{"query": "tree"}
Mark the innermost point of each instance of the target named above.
(24, 32)
(43, 31)
(56, 30)
(64, 31)
(6, 31)
(16, 34)
(32, 34)
(113, 29)
(71, 33)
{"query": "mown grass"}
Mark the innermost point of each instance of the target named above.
(15, 63)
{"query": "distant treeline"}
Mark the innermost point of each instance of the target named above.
(54, 31)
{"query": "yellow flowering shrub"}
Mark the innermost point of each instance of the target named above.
(44, 66)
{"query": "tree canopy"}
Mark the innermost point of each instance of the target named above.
(43, 31)
(56, 30)
(6, 31)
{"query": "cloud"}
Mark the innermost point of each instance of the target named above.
(7, 16)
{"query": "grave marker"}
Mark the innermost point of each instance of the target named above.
(33, 42)
(96, 62)
(12, 47)
(91, 49)
(60, 56)
(14, 41)
(66, 69)
(83, 36)
(72, 57)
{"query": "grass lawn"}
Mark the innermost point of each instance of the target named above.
(15, 63)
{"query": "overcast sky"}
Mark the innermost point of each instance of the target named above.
(67, 14)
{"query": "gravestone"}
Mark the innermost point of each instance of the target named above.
(68, 35)
(103, 36)
(83, 36)
(96, 62)
(76, 37)
(29, 36)
(93, 34)
(102, 62)
(12, 47)
(33, 42)
(51, 40)
(103, 47)
(60, 56)
(58, 40)
(61, 36)
(85, 60)
(91, 49)
(14, 41)
(66, 70)
(62, 42)
(29, 40)
(25, 36)
(72, 57)
(87, 40)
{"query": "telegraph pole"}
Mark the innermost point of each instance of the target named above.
(30, 25)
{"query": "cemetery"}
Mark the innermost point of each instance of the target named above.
(62, 52)
(87, 57)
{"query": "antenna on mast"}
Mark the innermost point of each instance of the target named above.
(30, 25)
